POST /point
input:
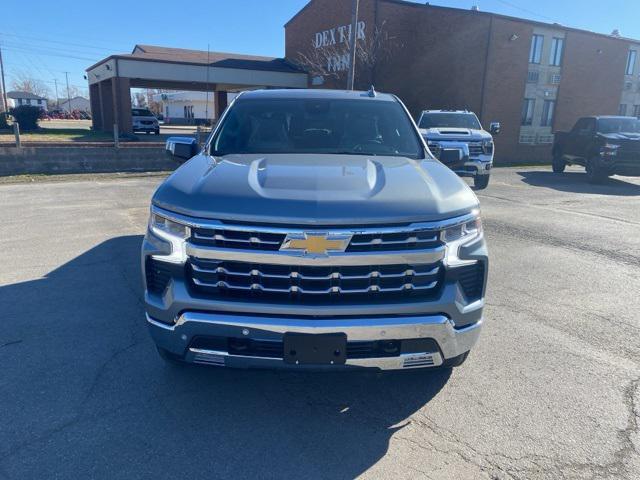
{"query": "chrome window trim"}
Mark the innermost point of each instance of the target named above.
(193, 222)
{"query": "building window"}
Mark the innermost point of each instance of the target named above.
(555, 78)
(628, 85)
(556, 51)
(533, 76)
(39, 102)
(19, 101)
(535, 55)
(636, 111)
(527, 111)
(547, 112)
(622, 110)
(631, 62)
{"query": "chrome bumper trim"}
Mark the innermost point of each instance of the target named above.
(403, 361)
(452, 342)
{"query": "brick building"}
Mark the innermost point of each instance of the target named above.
(535, 78)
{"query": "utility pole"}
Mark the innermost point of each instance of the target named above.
(55, 81)
(66, 74)
(206, 105)
(352, 44)
(5, 103)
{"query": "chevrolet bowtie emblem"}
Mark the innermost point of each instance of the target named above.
(316, 243)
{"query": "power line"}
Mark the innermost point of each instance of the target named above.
(51, 82)
(530, 12)
(60, 42)
(44, 51)
(47, 47)
(19, 49)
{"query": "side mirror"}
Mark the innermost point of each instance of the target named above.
(494, 128)
(181, 148)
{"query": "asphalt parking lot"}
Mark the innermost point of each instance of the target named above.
(551, 391)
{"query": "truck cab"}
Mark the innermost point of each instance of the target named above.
(457, 139)
(604, 145)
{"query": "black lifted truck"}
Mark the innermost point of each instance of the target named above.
(604, 145)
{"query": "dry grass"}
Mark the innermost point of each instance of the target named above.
(57, 135)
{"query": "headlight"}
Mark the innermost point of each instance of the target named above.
(487, 146)
(609, 150)
(172, 232)
(458, 236)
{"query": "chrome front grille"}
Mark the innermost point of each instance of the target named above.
(407, 240)
(364, 240)
(475, 148)
(283, 282)
(230, 238)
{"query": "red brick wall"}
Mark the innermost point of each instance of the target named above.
(507, 65)
(317, 16)
(592, 78)
(434, 59)
(439, 56)
(449, 58)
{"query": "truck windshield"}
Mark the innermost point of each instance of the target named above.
(619, 125)
(449, 120)
(330, 126)
(141, 112)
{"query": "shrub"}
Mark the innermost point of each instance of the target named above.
(27, 116)
(3, 121)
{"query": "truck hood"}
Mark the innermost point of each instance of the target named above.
(315, 189)
(458, 134)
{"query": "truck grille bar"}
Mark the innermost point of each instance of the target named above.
(219, 277)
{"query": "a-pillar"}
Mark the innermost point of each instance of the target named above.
(220, 103)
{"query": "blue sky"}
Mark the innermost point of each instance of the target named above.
(57, 36)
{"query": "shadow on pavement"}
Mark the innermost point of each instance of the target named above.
(576, 182)
(85, 394)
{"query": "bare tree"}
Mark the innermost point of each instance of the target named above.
(373, 51)
(75, 91)
(25, 83)
(155, 106)
(140, 99)
(332, 61)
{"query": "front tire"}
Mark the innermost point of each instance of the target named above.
(480, 182)
(595, 174)
(558, 164)
(455, 361)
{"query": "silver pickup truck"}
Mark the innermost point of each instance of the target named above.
(457, 139)
(314, 230)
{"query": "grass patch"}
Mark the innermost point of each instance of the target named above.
(70, 177)
(57, 135)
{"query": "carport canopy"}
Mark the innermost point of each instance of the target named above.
(111, 79)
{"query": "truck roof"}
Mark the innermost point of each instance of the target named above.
(446, 111)
(311, 93)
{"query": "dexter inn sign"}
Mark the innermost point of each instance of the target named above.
(332, 39)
